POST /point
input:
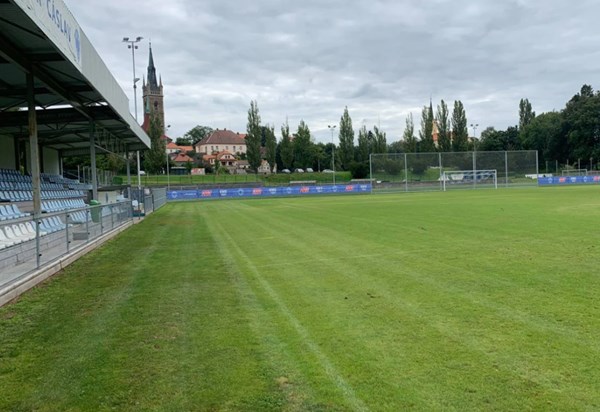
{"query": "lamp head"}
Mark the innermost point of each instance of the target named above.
(125, 39)
(138, 38)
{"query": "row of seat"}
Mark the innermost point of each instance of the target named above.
(60, 205)
(9, 175)
(25, 196)
(24, 232)
(9, 212)
(65, 182)
(4, 185)
(80, 217)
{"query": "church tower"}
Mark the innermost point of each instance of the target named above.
(153, 96)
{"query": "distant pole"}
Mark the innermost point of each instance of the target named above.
(167, 152)
(332, 128)
(474, 127)
(132, 44)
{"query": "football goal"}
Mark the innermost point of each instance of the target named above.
(472, 177)
(574, 172)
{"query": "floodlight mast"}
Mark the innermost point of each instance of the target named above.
(132, 44)
(167, 152)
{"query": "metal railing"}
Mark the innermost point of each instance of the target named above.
(27, 244)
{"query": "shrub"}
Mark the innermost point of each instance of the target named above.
(359, 170)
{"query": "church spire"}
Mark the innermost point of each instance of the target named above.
(152, 71)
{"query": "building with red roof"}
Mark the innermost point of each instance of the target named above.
(220, 141)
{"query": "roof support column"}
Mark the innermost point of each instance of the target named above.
(93, 160)
(139, 167)
(128, 163)
(34, 148)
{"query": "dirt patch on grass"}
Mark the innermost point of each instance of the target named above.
(282, 381)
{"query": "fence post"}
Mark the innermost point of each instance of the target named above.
(38, 255)
(505, 168)
(370, 169)
(474, 171)
(537, 167)
(441, 175)
(67, 217)
(405, 172)
(87, 226)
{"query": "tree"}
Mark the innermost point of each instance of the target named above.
(286, 148)
(328, 152)
(183, 141)
(582, 124)
(346, 151)
(443, 125)
(379, 141)
(271, 147)
(426, 132)
(155, 159)
(397, 147)
(546, 135)
(526, 115)
(460, 133)
(196, 134)
(318, 155)
(410, 141)
(253, 137)
(499, 140)
(364, 145)
(302, 147)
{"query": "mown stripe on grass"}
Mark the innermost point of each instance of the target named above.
(224, 239)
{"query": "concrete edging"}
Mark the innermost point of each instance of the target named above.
(32, 279)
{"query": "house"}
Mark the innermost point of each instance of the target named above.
(222, 140)
(226, 158)
(181, 159)
(264, 168)
(173, 148)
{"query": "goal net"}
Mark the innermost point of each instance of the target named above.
(469, 177)
(575, 172)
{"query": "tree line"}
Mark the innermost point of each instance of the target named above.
(568, 136)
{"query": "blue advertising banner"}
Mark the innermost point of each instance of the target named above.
(267, 191)
(568, 180)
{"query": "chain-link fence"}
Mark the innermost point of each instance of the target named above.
(428, 171)
(147, 200)
(26, 243)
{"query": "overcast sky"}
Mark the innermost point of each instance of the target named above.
(383, 59)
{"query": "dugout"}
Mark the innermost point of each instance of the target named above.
(57, 97)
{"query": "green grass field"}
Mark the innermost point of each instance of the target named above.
(465, 300)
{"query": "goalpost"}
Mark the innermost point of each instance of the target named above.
(474, 177)
(575, 172)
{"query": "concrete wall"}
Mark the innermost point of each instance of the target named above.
(51, 161)
(7, 153)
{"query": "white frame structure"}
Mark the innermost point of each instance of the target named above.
(578, 172)
(471, 172)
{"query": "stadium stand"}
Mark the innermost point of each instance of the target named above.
(58, 193)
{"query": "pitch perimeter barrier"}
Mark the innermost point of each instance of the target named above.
(28, 244)
(568, 180)
(173, 195)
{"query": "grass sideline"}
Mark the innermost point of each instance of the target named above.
(430, 301)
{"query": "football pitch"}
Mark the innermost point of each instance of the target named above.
(464, 300)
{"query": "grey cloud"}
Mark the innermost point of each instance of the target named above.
(383, 59)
